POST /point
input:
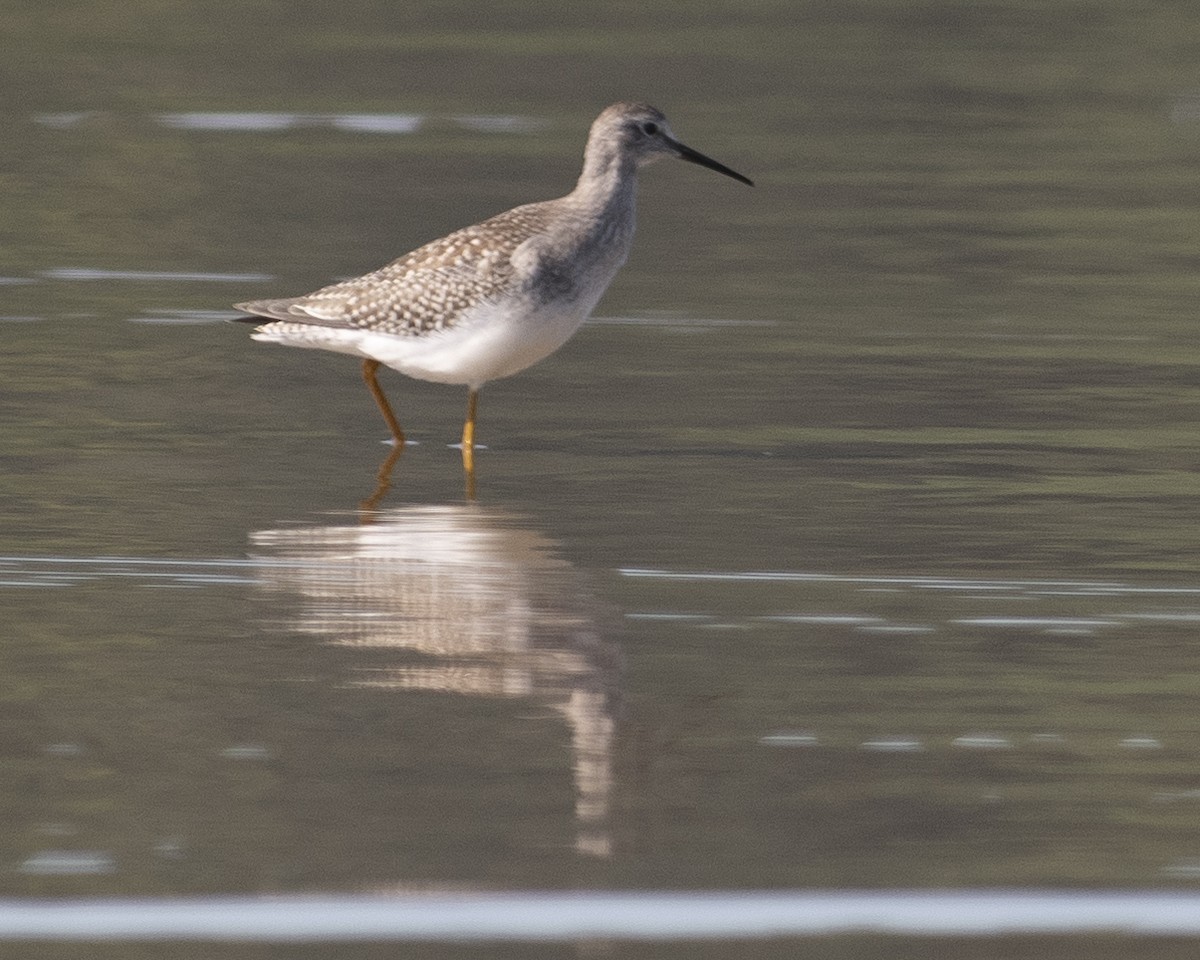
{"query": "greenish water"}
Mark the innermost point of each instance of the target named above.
(853, 544)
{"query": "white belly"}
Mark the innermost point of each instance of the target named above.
(477, 349)
(495, 342)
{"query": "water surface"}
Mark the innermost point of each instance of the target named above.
(851, 546)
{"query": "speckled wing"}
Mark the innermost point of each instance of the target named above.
(424, 291)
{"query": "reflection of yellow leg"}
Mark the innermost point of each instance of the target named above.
(368, 371)
(468, 442)
(383, 480)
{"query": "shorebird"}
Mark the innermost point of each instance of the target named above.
(489, 300)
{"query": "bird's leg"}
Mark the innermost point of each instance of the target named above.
(368, 371)
(468, 442)
(468, 438)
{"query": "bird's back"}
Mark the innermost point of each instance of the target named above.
(428, 289)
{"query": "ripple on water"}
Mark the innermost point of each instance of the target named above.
(982, 741)
(275, 121)
(62, 572)
(790, 738)
(893, 745)
(171, 276)
(69, 863)
(188, 317)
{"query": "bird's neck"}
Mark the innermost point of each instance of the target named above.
(608, 184)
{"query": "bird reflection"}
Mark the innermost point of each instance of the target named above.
(491, 607)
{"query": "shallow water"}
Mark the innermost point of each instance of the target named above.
(851, 546)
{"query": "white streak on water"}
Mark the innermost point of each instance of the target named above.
(189, 317)
(61, 121)
(580, 915)
(95, 273)
(675, 320)
(1032, 622)
(65, 863)
(229, 121)
(832, 618)
(1036, 587)
(982, 741)
(268, 121)
(894, 745)
(377, 122)
(23, 572)
(796, 576)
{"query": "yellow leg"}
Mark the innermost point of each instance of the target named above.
(468, 443)
(368, 371)
(469, 426)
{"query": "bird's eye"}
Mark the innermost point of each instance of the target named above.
(650, 128)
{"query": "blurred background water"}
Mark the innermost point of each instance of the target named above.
(853, 543)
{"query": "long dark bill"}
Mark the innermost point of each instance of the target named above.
(695, 156)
